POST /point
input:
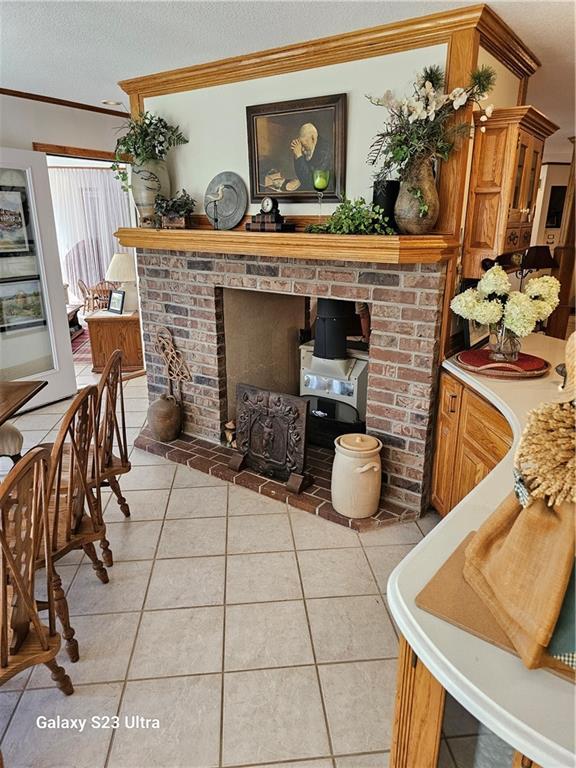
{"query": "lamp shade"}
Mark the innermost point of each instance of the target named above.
(121, 268)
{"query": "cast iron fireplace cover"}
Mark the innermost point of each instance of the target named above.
(271, 435)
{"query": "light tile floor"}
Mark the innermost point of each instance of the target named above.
(256, 634)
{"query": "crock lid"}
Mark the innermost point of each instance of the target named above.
(356, 442)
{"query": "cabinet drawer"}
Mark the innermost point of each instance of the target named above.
(484, 427)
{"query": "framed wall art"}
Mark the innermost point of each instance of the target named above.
(292, 142)
(14, 221)
(21, 304)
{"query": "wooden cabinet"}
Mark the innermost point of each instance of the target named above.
(471, 438)
(450, 399)
(109, 332)
(504, 179)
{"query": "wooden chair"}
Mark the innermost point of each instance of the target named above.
(112, 429)
(24, 529)
(100, 293)
(75, 508)
(85, 295)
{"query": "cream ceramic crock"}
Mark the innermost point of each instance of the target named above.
(356, 475)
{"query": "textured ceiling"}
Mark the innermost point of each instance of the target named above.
(79, 50)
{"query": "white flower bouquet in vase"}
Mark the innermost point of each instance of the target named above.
(510, 315)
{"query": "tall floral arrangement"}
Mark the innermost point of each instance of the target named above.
(419, 128)
(147, 137)
(510, 314)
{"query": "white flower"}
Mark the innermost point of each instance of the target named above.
(520, 314)
(464, 304)
(545, 287)
(544, 307)
(483, 129)
(417, 111)
(488, 110)
(483, 119)
(488, 312)
(388, 100)
(459, 97)
(494, 281)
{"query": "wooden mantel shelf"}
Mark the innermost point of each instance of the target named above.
(384, 249)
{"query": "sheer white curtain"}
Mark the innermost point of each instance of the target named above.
(89, 206)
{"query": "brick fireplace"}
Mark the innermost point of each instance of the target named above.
(185, 292)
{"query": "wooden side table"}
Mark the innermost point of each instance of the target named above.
(109, 332)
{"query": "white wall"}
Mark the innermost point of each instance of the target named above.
(214, 119)
(505, 92)
(23, 121)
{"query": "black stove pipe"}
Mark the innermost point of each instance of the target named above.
(333, 320)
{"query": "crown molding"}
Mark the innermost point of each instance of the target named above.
(501, 41)
(359, 44)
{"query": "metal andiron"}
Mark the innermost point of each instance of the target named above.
(271, 435)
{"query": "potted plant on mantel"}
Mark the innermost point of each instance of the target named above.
(420, 131)
(175, 212)
(354, 217)
(147, 140)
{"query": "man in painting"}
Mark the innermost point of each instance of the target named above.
(311, 152)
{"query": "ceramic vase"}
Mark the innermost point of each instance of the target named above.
(385, 194)
(165, 418)
(416, 191)
(504, 344)
(148, 180)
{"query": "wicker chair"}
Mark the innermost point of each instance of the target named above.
(112, 429)
(24, 527)
(101, 293)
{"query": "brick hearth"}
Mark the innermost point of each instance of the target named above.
(184, 291)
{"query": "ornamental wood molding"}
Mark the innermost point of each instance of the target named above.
(526, 116)
(383, 249)
(437, 28)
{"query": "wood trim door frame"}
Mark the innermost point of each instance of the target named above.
(79, 152)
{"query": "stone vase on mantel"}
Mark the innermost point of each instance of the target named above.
(148, 180)
(408, 207)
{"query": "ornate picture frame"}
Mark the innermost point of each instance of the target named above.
(288, 140)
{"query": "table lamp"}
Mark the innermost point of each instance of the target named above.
(121, 270)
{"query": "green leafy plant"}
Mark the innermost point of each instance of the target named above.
(148, 137)
(424, 207)
(421, 128)
(355, 217)
(174, 207)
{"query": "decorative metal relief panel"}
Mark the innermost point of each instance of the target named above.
(271, 431)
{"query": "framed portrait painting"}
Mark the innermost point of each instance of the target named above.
(298, 148)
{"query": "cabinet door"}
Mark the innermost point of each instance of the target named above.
(485, 197)
(484, 439)
(518, 193)
(446, 440)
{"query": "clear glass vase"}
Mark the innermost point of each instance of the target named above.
(504, 344)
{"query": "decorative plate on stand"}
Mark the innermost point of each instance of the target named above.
(226, 200)
(525, 367)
